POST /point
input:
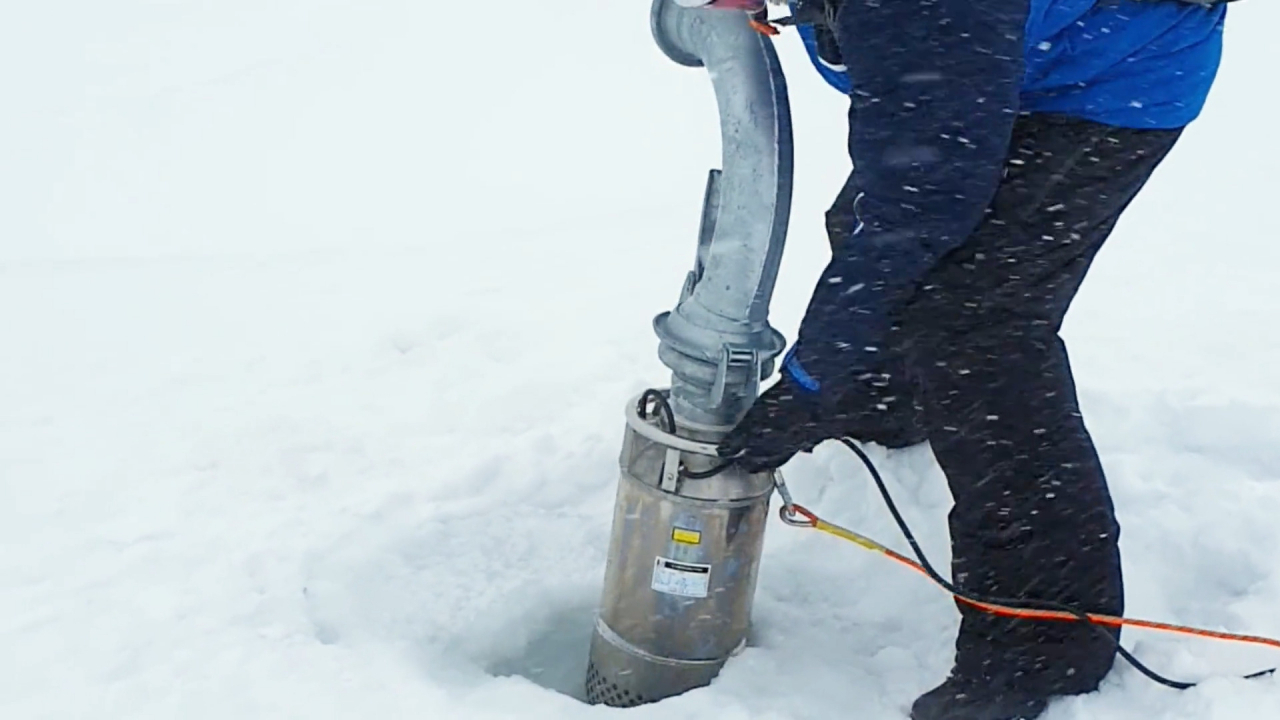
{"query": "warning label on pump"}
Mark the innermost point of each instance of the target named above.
(681, 578)
(686, 537)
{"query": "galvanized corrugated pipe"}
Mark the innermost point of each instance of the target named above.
(718, 342)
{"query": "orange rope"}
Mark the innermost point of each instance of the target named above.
(763, 28)
(817, 523)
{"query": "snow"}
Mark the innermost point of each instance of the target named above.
(318, 319)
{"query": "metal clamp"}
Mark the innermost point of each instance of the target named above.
(735, 356)
(671, 471)
(789, 504)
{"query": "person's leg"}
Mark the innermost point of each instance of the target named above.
(1033, 517)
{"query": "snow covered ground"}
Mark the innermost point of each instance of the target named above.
(316, 323)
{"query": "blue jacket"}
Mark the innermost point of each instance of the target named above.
(1129, 63)
(935, 88)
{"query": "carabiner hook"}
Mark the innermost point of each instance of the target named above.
(790, 512)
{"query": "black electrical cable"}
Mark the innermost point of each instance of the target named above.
(664, 406)
(1010, 603)
(1014, 604)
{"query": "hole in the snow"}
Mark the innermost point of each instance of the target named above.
(555, 656)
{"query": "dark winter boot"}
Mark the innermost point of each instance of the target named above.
(959, 699)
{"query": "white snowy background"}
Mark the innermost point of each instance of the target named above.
(317, 320)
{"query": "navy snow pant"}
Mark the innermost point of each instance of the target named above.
(980, 365)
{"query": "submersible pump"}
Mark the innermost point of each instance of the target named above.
(687, 529)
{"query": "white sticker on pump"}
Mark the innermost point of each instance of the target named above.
(681, 578)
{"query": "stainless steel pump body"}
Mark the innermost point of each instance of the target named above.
(682, 570)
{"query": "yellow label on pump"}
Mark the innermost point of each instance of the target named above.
(686, 537)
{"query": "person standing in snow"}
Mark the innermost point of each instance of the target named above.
(995, 145)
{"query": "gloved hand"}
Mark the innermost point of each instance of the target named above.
(786, 419)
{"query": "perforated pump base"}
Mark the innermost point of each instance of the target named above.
(620, 677)
(601, 691)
